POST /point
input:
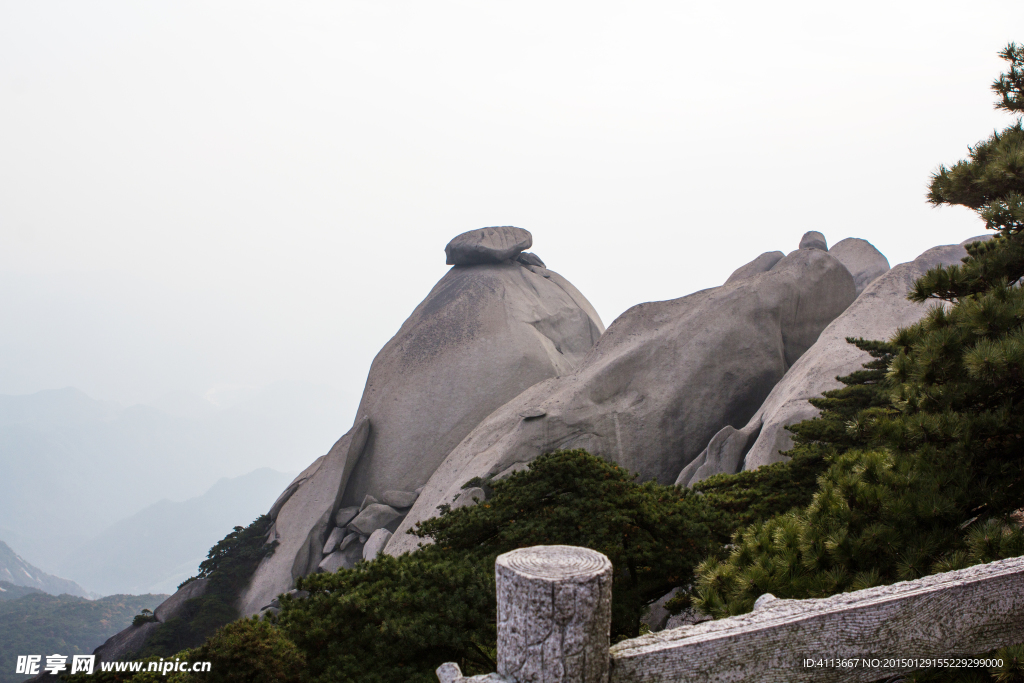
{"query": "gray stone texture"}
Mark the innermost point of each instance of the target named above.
(133, 638)
(374, 517)
(172, 606)
(345, 558)
(122, 643)
(301, 524)
(813, 240)
(657, 616)
(483, 334)
(449, 672)
(554, 614)
(336, 536)
(954, 614)
(470, 496)
(762, 264)
(530, 259)
(487, 245)
(876, 314)
(860, 257)
(662, 380)
(345, 515)
(400, 499)
(375, 543)
(348, 540)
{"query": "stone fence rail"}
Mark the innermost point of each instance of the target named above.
(554, 616)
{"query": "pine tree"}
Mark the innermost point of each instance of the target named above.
(932, 481)
(756, 495)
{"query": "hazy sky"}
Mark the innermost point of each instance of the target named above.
(200, 196)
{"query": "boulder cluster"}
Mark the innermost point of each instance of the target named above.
(505, 360)
(361, 532)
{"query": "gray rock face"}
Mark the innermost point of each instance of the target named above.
(348, 540)
(301, 524)
(341, 559)
(483, 334)
(530, 259)
(487, 245)
(657, 616)
(876, 314)
(813, 240)
(860, 257)
(375, 543)
(133, 638)
(470, 496)
(762, 264)
(172, 606)
(336, 537)
(400, 499)
(662, 380)
(345, 515)
(374, 517)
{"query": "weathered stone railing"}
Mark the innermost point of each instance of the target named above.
(554, 618)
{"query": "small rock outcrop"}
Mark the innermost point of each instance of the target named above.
(762, 264)
(497, 323)
(813, 240)
(133, 638)
(662, 380)
(876, 314)
(865, 263)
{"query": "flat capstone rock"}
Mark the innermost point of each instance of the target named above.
(487, 245)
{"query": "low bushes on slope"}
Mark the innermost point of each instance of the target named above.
(397, 619)
(43, 624)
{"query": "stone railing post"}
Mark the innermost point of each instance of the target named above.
(554, 617)
(554, 614)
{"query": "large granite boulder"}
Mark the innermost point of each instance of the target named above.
(876, 314)
(860, 257)
(662, 380)
(486, 332)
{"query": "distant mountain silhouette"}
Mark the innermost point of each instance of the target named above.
(15, 570)
(160, 546)
(9, 591)
(71, 465)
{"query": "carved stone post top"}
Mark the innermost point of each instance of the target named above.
(555, 563)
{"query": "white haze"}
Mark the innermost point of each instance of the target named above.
(203, 199)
